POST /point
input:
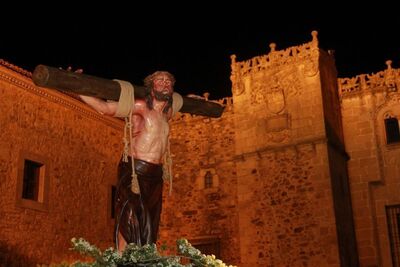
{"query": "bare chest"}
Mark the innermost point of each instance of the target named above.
(156, 123)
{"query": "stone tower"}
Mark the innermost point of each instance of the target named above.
(293, 194)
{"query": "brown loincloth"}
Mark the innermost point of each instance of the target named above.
(138, 216)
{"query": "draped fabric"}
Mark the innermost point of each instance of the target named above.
(138, 216)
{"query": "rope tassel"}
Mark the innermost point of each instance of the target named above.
(124, 110)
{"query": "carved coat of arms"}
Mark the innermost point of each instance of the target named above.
(275, 98)
(270, 92)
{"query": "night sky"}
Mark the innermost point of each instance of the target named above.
(195, 46)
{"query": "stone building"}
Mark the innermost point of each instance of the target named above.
(302, 169)
(57, 168)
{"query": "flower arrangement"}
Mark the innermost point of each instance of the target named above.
(142, 256)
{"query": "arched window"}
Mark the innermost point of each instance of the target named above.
(208, 180)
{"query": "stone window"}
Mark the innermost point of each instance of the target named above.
(32, 185)
(33, 182)
(208, 245)
(393, 220)
(208, 180)
(392, 130)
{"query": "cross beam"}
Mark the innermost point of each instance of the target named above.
(89, 85)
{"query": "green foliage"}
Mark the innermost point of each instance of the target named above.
(142, 256)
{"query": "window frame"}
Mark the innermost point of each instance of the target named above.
(42, 204)
(391, 135)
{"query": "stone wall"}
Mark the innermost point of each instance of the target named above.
(70, 139)
(374, 165)
(193, 211)
(286, 208)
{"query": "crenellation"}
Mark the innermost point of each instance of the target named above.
(275, 57)
(387, 80)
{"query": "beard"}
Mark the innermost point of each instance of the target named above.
(161, 96)
(165, 97)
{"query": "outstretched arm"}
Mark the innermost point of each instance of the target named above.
(101, 106)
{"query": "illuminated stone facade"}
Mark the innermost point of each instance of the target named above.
(297, 171)
(79, 150)
(374, 167)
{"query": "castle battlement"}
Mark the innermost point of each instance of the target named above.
(388, 79)
(274, 58)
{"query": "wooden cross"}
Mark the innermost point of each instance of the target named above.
(84, 84)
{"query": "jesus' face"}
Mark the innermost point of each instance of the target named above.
(162, 87)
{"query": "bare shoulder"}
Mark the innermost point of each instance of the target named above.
(140, 105)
